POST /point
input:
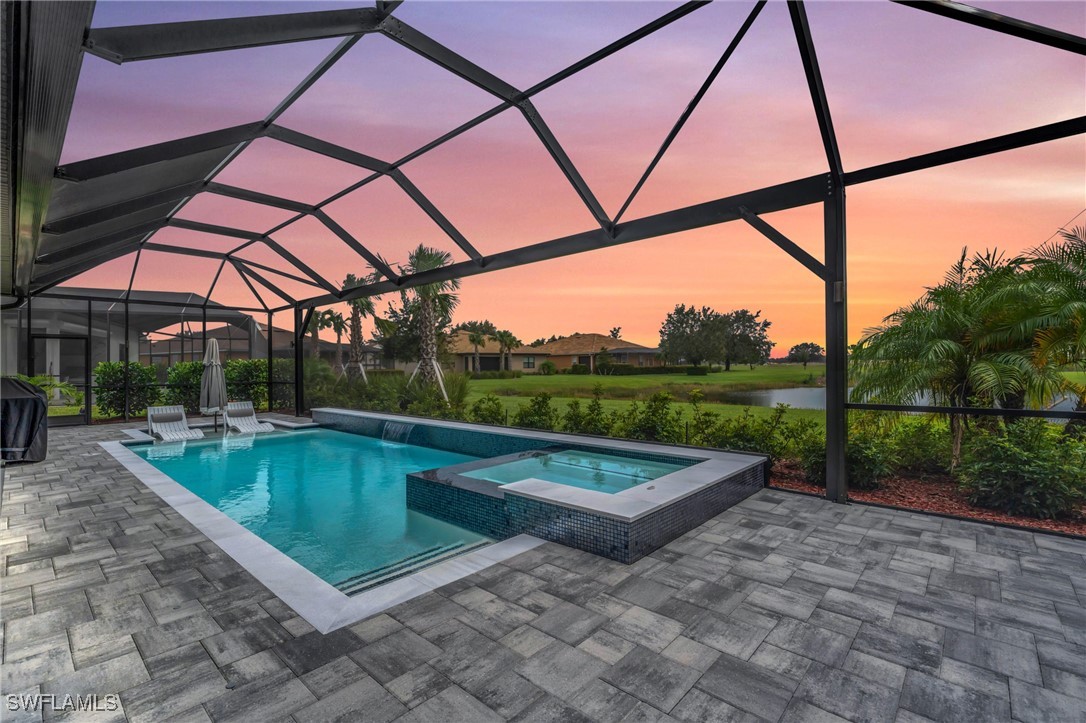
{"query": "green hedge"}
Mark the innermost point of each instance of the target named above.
(247, 379)
(183, 385)
(109, 380)
(503, 374)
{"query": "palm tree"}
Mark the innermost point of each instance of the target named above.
(432, 305)
(361, 308)
(507, 342)
(1050, 299)
(477, 339)
(318, 323)
(338, 325)
(942, 346)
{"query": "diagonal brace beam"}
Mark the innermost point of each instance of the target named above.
(453, 62)
(374, 260)
(435, 215)
(785, 243)
(692, 105)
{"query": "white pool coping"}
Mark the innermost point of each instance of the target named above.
(626, 505)
(317, 602)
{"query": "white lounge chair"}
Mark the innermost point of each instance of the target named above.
(170, 424)
(241, 417)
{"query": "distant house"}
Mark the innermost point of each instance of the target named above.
(525, 358)
(583, 348)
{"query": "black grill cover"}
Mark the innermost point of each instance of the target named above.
(23, 435)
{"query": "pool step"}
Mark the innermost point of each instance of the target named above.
(414, 563)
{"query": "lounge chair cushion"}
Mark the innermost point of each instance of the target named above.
(238, 412)
(166, 417)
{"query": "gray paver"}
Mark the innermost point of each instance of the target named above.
(784, 607)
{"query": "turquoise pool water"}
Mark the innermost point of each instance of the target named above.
(334, 502)
(587, 470)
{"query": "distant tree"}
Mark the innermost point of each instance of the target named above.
(484, 326)
(360, 308)
(507, 341)
(477, 338)
(604, 361)
(338, 325)
(616, 332)
(538, 342)
(808, 351)
(320, 321)
(746, 339)
(431, 305)
(692, 335)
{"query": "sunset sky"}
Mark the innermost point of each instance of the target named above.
(899, 81)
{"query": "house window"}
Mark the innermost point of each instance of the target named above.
(529, 362)
(583, 360)
(640, 360)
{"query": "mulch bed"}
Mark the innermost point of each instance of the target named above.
(939, 494)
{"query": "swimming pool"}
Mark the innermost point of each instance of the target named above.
(332, 501)
(596, 471)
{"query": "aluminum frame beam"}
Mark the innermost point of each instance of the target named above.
(165, 40)
(374, 260)
(692, 105)
(1000, 23)
(460, 66)
(158, 152)
(803, 192)
(836, 302)
(968, 151)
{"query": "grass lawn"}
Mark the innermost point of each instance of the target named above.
(512, 403)
(772, 376)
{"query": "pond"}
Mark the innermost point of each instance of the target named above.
(815, 398)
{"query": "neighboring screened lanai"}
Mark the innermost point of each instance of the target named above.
(209, 203)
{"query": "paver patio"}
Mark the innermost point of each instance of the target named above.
(784, 608)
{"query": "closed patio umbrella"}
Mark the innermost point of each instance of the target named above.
(213, 382)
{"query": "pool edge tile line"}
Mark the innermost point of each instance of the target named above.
(316, 601)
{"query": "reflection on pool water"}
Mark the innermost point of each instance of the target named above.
(334, 502)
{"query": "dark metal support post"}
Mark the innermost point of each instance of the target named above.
(268, 339)
(836, 349)
(299, 358)
(127, 356)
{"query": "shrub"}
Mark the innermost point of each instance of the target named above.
(868, 459)
(109, 388)
(573, 419)
(654, 421)
(183, 385)
(773, 435)
(537, 413)
(457, 387)
(426, 401)
(247, 379)
(580, 369)
(1027, 469)
(488, 410)
(498, 374)
(697, 372)
(547, 368)
(921, 446)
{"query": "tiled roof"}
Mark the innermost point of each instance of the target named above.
(589, 344)
(459, 344)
